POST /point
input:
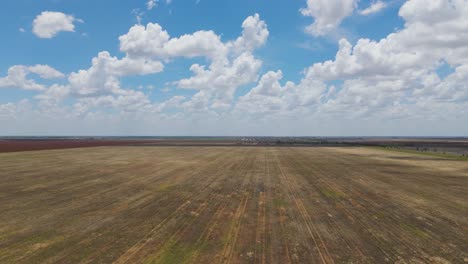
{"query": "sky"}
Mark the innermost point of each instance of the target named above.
(234, 68)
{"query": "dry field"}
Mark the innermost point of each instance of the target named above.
(232, 205)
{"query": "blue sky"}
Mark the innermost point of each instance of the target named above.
(317, 67)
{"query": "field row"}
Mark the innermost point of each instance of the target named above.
(232, 205)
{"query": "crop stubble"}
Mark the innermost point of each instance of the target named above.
(231, 205)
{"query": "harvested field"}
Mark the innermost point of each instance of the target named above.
(232, 205)
(30, 145)
(46, 144)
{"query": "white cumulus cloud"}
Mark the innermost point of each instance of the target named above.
(327, 14)
(103, 76)
(397, 77)
(231, 63)
(17, 77)
(400, 71)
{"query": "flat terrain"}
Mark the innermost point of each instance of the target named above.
(18, 145)
(29, 145)
(232, 205)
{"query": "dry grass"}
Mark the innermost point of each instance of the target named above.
(232, 205)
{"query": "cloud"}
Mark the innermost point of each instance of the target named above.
(254, 34)
(124, 101)
(270, 97)
(46, 72)
(327, 14)
(99, 86)
(400, 71)
(218, 83)
(138, 13)
(231, 64)
(141, 41)
(102, 77)
(7, 110)
(233, 67)
(395, 78)
(151, 4)
(432, 32)
(172, 103)
(198, 44)
(375, 7)
(17, 77)
(154, 41)
(266, 97)
(48, 24)
(13, 111)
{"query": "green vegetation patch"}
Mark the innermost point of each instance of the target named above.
(174, 252)
(279, 202)
(332, 194)
(414, 230)
(425, 153)
(165, 187)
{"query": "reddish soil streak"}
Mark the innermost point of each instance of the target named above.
(28, 145)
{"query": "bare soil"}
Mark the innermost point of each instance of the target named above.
(232, 205)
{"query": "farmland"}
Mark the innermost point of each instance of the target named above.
(227, 204)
